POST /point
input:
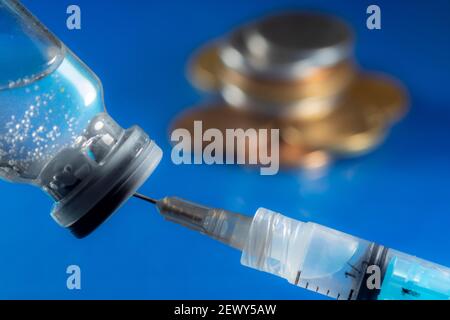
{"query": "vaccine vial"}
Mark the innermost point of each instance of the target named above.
(55, 132)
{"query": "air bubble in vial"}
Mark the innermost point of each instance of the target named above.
(79, 140)
(99, 125)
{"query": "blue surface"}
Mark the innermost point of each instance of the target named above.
(397, 195)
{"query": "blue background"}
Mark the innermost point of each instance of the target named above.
(398, 195)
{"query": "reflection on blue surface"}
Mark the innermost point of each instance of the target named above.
(397, 196)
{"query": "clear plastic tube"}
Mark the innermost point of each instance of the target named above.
(314, 257)
(225, 226)
(337, 264)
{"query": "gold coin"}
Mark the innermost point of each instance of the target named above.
(205, 68)
(379, 96)
(357, 124)
(336, 136)
(222, 117)
(326, 81)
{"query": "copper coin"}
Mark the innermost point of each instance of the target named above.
(222, 117)
(205, 68)
(352, 128)
(378, 95)
(325, 81)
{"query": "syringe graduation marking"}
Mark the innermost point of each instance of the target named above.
(350, 295)
(297, 279)
(353, 267)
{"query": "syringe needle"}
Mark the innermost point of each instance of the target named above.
(145, 198)
(228, 227)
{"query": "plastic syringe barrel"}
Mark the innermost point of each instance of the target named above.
(225, 226)
(337, 264)
(313, 256)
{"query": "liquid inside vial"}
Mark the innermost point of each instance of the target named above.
(42, 116)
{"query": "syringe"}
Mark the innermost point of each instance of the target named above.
(313, 256)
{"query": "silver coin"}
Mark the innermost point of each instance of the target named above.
(288, 45)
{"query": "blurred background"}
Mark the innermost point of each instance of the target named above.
(397, 195)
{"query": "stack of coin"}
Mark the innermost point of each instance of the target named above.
(295, 71)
